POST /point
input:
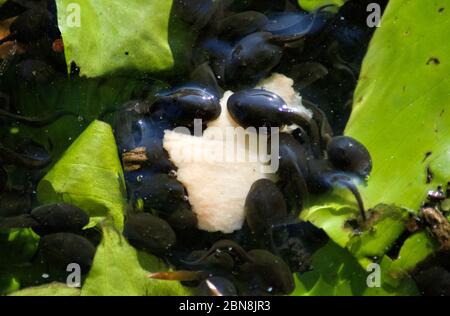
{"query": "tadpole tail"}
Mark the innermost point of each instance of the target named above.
(326, 132)
(33, 121)
(312, 128)
(351, 186)
(296, 190)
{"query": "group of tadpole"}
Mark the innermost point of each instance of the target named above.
(239, 43)
(234, 51)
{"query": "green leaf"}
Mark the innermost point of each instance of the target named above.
(52, 289)
(334, 214)
(89, 175)
(18, 249)
(311, 5)
(337, 273)
(402, 120)
(120, 270)
(331, 213)
(387, 226)
(8, 283)
(116, 38)
(401, 103)
(414, 250)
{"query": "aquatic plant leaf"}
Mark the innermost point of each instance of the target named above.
(51, 289)
(387, 226)
(311, 5)
(120, 270)
(414, 250)
(104, 37)
(400, 111)
(400, 115)
(337, 273)
(17, 246)
(89, 175)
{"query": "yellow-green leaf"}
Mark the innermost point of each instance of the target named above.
(89, 175)
(401, 103)
(106, 37)
(311, 5)
(52, 289)
(120, 270)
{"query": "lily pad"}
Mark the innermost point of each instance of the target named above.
(120, 270)
(401, 103)
(105, 37)
(90, 176)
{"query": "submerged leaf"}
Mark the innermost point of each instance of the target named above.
(120, 270)
(335, 216)
(414, 250)
(403, 121)
(89, 175)
(385, 227)
(17, 246)
(311, 5)
(52, 289)
(336, 273)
